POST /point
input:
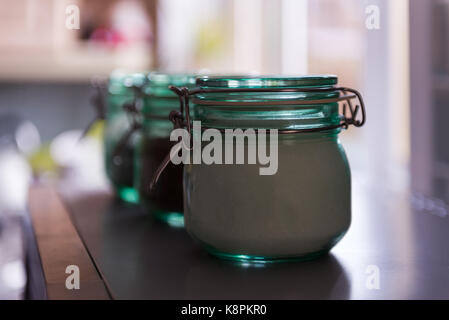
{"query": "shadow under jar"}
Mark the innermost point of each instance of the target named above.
(119, 162)
(166, 201)
(302, 210)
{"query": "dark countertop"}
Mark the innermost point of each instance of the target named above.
(139, 258)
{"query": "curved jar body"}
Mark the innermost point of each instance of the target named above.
(299, 212)
(120, 167)
(166, 200)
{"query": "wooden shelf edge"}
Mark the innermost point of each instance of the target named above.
(60, 246)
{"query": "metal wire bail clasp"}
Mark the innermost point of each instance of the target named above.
(98, 102)
(178, 118)
(353, 110)
(179, 121)
(133, 109)
(353, 114)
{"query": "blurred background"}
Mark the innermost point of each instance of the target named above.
(399, 61)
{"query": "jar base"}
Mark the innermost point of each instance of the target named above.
(128, 194)
(173, 219)
(250, 259)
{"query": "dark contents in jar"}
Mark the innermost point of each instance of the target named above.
(167, 195)
(121, 167)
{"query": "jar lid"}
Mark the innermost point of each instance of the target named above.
(121, 82)
(266, 81)
(230, 102)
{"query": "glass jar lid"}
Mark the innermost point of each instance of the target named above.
(305, 104)
(280, 102)
(266, 81)
(158, 83)
(121, 82)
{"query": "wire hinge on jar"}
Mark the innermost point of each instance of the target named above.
(133, 110)
(98, 102)
(177, 119)
(350, 116)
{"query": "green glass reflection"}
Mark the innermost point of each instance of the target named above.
(120, 167)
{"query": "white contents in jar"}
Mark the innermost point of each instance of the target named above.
(303, 209)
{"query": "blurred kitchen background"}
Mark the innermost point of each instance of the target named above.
(401, 67)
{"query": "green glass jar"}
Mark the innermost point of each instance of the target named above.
(302, 210)
(119, 162)
(166, 201)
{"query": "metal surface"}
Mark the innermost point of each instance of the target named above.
(185, 94)
(394, 249)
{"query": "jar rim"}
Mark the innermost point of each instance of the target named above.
(158, 83)
(266, 81)
(311, 105)
(121, 82)
(166, 79)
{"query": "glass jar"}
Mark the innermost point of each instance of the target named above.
(123, 89)
(166, 201)
(302, 210)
